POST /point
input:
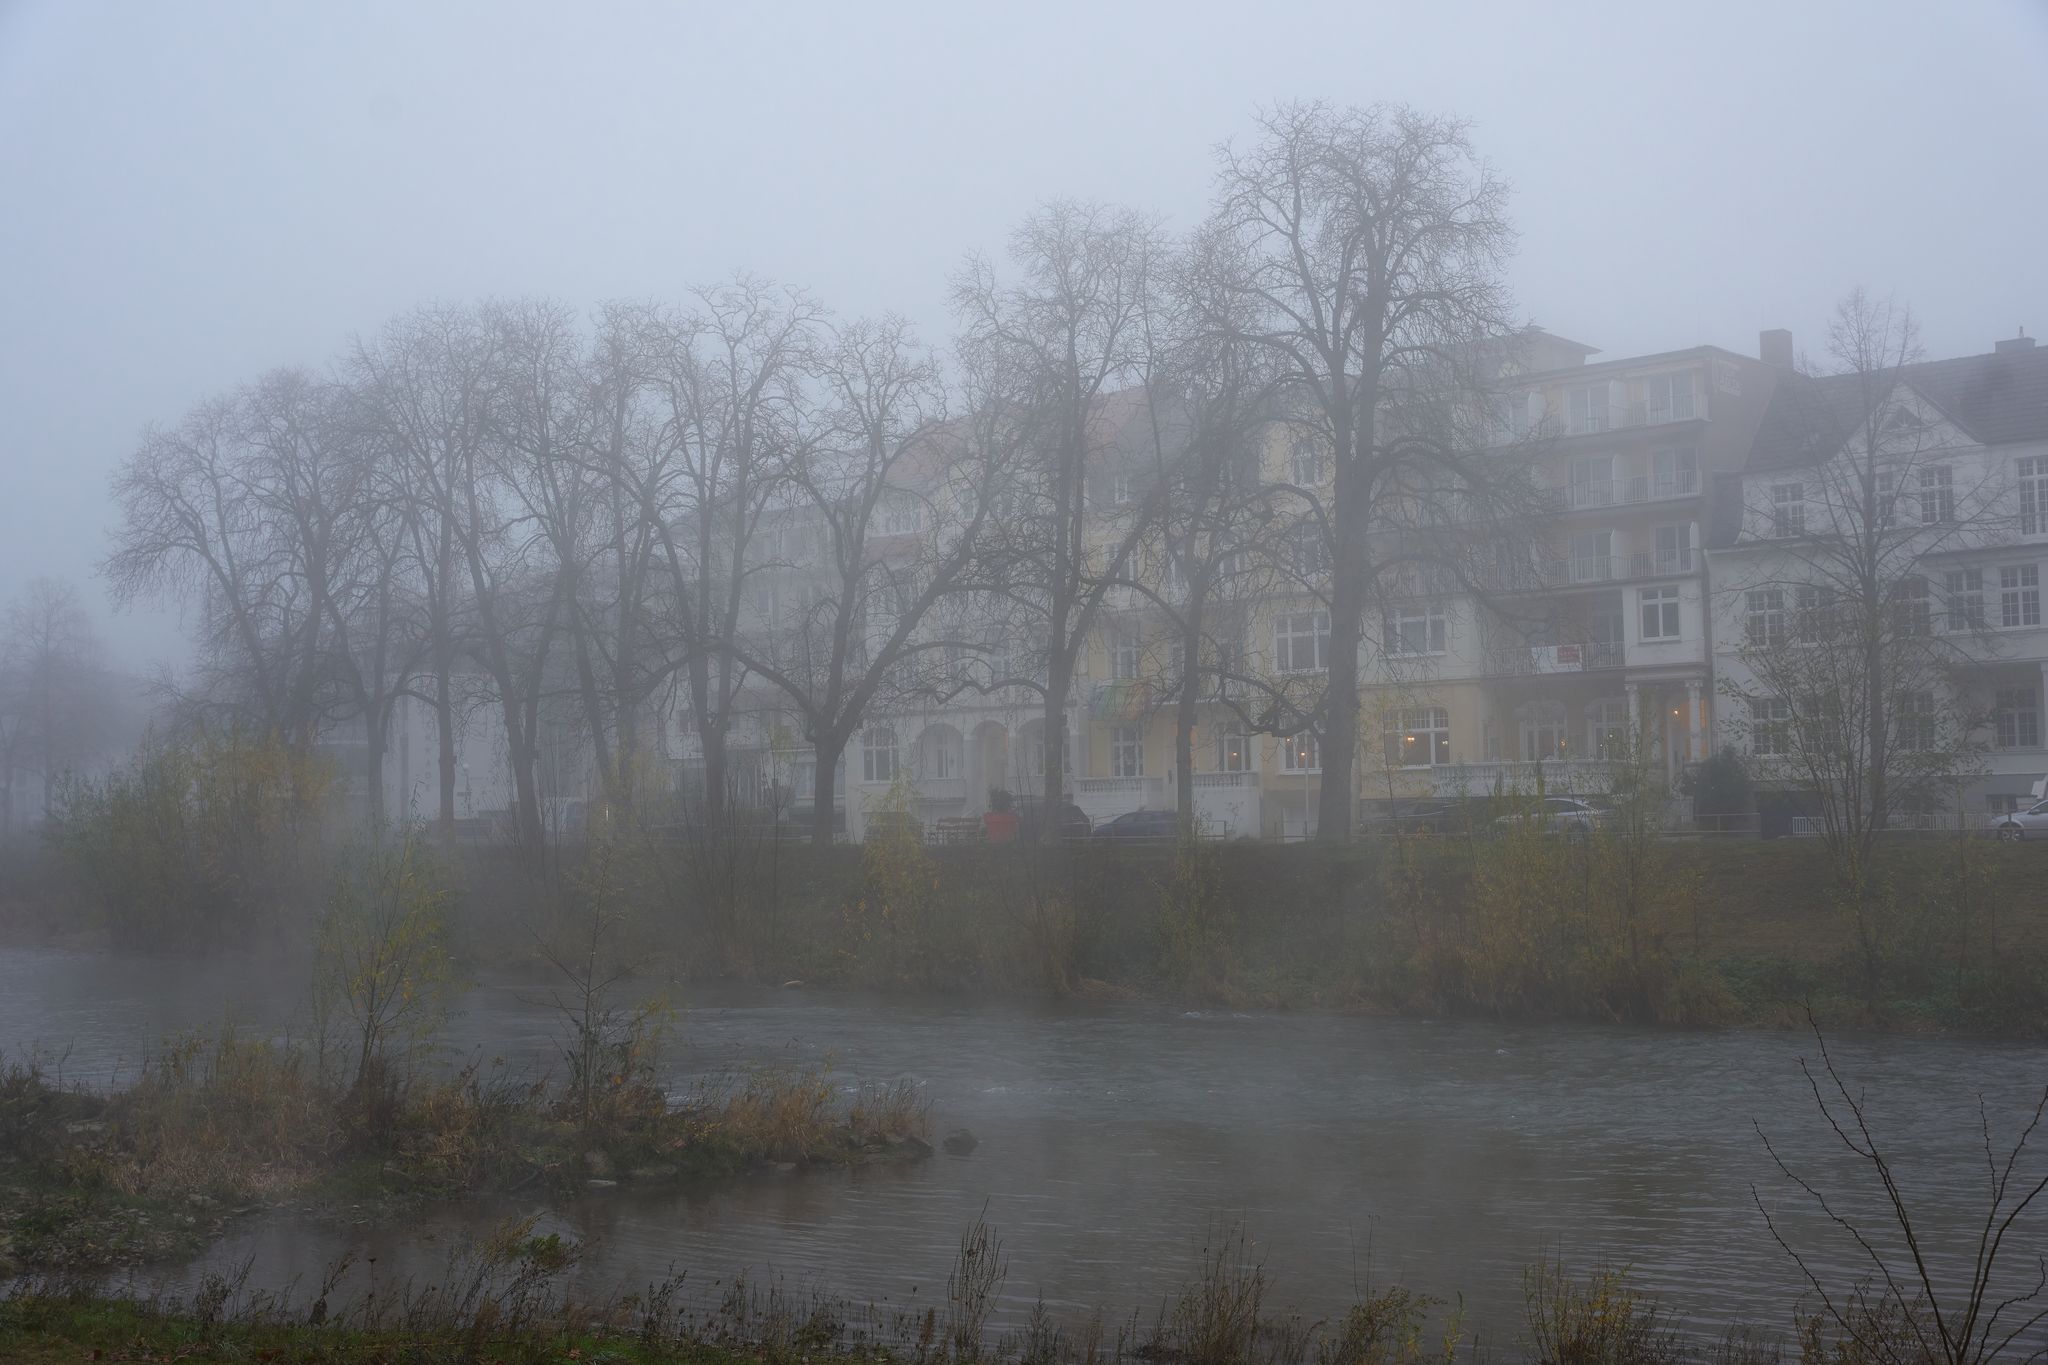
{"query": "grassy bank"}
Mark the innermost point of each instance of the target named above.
(502, 1304)
(1679, 933)
(215, 1129)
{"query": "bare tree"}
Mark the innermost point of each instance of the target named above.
(731, 393)
(1066, 349)
(894, 504)
(1846, 685)
(1368, 244)
(55, 707)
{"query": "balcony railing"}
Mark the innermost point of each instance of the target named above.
(1573, 658)
(1226, 779)
(1558, 777)
(1613, 568)
(1634, 489)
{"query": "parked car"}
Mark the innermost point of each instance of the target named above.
(1430, 817)
(2031, 823)
(1155, 825)
(1068, 820)
(1559, 815)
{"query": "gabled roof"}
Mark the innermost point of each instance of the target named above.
(1993, 399)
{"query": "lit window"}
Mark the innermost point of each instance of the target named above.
(1660, 613)
(1127, 752)
(1301, 754)
(1419, 737)
(878, 754)
(1301, 642)
(1233, 750)
(2019, 596)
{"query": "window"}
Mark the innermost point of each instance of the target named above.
(1770, 726)
(1674, 473)
(1510, 416)
(1916, 721)
(2016, 718)
(1419, 737)
(1543, 731)
(1127, 751)
(1592, 482)
(1307, 551)
(1673, 548)
(943, 754)
(1660, 613)
(1301, 642)
(1611, 729)
(1417, 630)
(899, 516)
(1809, 613)
(1668, 397)
(1592, 557)
(2033, 472)
(1122, 488)
(1126, 649)
(2019, 595)
(1765, 621)
(1233, 750)
(1887, 481)
(1305, 464)
(1965, 594)
(1586, 408)
(1301, 754)
(1912, 607)
(1937, 495)
(1788, 509)
(1173, 580)
(878, 754)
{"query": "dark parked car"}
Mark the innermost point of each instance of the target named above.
(1156, 825)
(1434, 817)
(1068, 820)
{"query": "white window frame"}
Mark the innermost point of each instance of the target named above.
(1233, 750)
(1305, 465)
(1432, 627)
(1770, 727)
(1586, 408)
(1126, 654)
(1670, 405)
(1122, 488)
(2032, 473)
(878, 754)
(1788, 510)
(1422, 732)
(1937, 493)
(1676, 557)
(1963, 591)
(1659, 613)
(1763, 623)
(1917, 721)
(2016, 717)
(2019, 596)
(1291, 630)
(1127, 751)
(1675, 472)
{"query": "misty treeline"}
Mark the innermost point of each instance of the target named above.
(58, 706)
(598, 519)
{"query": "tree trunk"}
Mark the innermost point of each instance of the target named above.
(830, 751)
(444, 727)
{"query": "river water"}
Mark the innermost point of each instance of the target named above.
(1116, 1140)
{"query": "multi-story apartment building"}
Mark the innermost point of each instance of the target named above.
(1956, 458)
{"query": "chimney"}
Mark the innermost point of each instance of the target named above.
(1774, 347)
(2013, 345)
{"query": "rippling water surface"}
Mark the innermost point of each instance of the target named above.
(1117, 1139)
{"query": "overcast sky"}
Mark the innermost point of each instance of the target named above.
(191, 193)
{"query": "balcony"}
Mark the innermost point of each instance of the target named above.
(1558, 777)
(938, 790)
(1217, 780)
(1579, 569)
(1639, 488)
(1520, 660)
